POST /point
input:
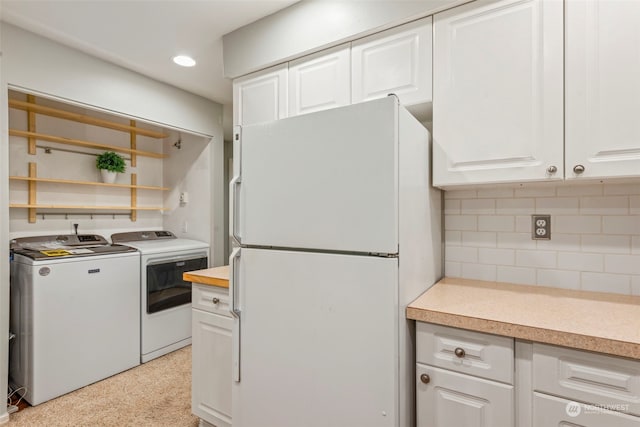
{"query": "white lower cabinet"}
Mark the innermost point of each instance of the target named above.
(466, 378)
(551, 411)
(446, 398)
(580, 388)
(211, 355)
(456, 396)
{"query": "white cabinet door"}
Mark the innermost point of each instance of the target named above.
(498, 101)
(446, 399)
(260, 97)
(320, 81)
(602, 88)
(211, 378)
(551, 411)
(394, 61)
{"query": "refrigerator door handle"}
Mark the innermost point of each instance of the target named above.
(235, 312)
(235, 185)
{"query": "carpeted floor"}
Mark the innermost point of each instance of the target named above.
(157, 393)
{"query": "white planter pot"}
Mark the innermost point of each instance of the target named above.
(108, 177)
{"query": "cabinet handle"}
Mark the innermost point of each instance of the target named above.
(215, 300)
(425, 378)
(460, 352)
(578, 169)
(552, 169)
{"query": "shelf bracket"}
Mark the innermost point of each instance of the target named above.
(134, 196)
(133, 134)
(31, 125)
(32, 191)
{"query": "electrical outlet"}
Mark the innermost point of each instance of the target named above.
(541, 227)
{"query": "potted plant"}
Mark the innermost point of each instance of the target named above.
(110, 164)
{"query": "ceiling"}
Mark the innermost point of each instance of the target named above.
(144, 35)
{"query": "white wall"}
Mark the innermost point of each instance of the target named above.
(40, 64)
(595, 236)
(312, 25)
(188, 170)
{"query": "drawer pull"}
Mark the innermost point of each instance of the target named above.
(215, 300)
(459, 352)
(425, 378)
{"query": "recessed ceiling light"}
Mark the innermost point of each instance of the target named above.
(185, 61)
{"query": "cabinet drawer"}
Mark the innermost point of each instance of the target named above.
(448, 399)
(211, 299)
(473, 353)
(589, 377)
(550, 411)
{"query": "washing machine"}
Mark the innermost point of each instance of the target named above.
(74, 311)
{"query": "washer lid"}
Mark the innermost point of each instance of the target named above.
(166, 246)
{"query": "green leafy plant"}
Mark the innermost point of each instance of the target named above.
(110, 161)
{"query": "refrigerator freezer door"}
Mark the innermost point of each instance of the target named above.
(327, 180)
(319, 340)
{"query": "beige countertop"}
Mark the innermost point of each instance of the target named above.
(595, 321)
(216, 276)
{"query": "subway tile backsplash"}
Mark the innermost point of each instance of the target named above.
(595, 236)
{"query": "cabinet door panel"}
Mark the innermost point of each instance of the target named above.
(260, 97)
(211, 379)
(587, 377)
(498, 103)
(602, 88)
(452, 399)
(394, 61)
(320, 81)
(551, 411)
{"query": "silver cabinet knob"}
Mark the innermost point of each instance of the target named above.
(425, 378)
(552, 169)
(215, 300)
(459, 352)
(578, 169)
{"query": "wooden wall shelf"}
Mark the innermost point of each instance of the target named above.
(80, 207)
(32, 135)
(32, 205)
(99, 184)
(30, 106)
(80, 143)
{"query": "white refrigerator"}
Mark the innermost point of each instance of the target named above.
(338, 229)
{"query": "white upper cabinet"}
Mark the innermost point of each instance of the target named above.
(602, 88)
(498, 92)
(394, 61)
(320, 81)
(261, 96)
